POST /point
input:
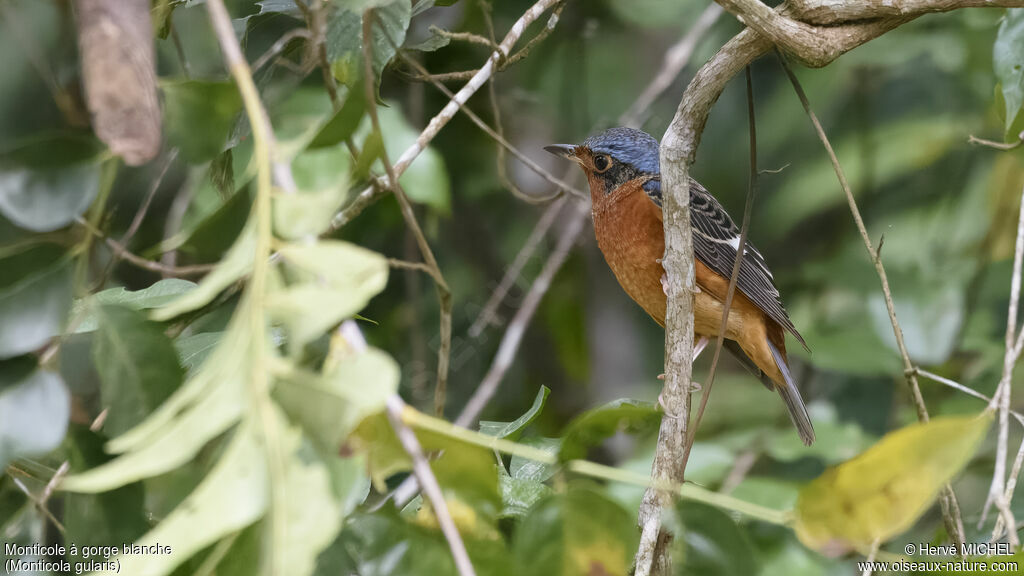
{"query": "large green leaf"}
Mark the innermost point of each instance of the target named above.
(232, 496)
(47, 183)
(332, 281)
(207, 405)
(198, 116)
(34, 308)
(344, 122)
(34, 410)
(598, 424)
(1008, 63)
(580, 532)
(331, 405)
(882, 492)
(137, 363)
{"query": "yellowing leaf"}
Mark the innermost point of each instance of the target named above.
(882, 492)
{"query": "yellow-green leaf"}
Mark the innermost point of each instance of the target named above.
(882, 492)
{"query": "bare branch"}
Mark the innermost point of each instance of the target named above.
(486, 316)
(517, 327)
(826, 12)
(152, 266)
(425, 476)
(678, 148)
(504, 144)
(675, 60)
(373, 193)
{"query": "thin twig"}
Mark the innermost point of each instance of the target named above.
(517, 327)
(421, 470)
(1001, 399)
(41, 506)
(972, 139)
(372, 193)
(947, 499)
(504, 144)
(675, 59)
(443, 293)
(486, 317)
(960, 387)
(279, 45)
(141, 262)
(505, 62)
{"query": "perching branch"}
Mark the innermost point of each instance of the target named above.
(678, 149)
(825, 12)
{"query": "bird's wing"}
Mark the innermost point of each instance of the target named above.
(715, 241)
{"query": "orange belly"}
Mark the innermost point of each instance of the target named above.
(631, 236)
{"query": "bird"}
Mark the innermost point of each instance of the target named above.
(623, 172)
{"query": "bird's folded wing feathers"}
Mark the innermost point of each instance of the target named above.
(715, 241)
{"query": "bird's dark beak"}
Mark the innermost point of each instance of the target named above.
(567, 151)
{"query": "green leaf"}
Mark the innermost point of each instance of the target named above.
(321, 177)
(207, 405)
(344, 38)
(34, 410)
(333, 281)
(373, 146)
(434, 43)
(344, 122)
(882, 492)
(236, 264)
(1008, 64)
(193, 350)
(311, 514)
(155, 296)
(331, 405)
(198, 116)
(47, 183)
(137, 364)
(512, 430)
(714, 544)
(384, 544)
(518, 495)
(232, 496)
(99, 519)
(216, 232)
(426, 179)
(580, 532)
(527, 469)
(597, 424)
(34, 309)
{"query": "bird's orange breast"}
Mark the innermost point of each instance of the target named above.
(630, 235)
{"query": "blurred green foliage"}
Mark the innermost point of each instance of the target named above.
(143, 385)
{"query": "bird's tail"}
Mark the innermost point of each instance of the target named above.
(791, 396)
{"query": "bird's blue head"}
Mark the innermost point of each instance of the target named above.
(614, 157)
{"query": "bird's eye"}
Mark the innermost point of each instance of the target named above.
(602, 162)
